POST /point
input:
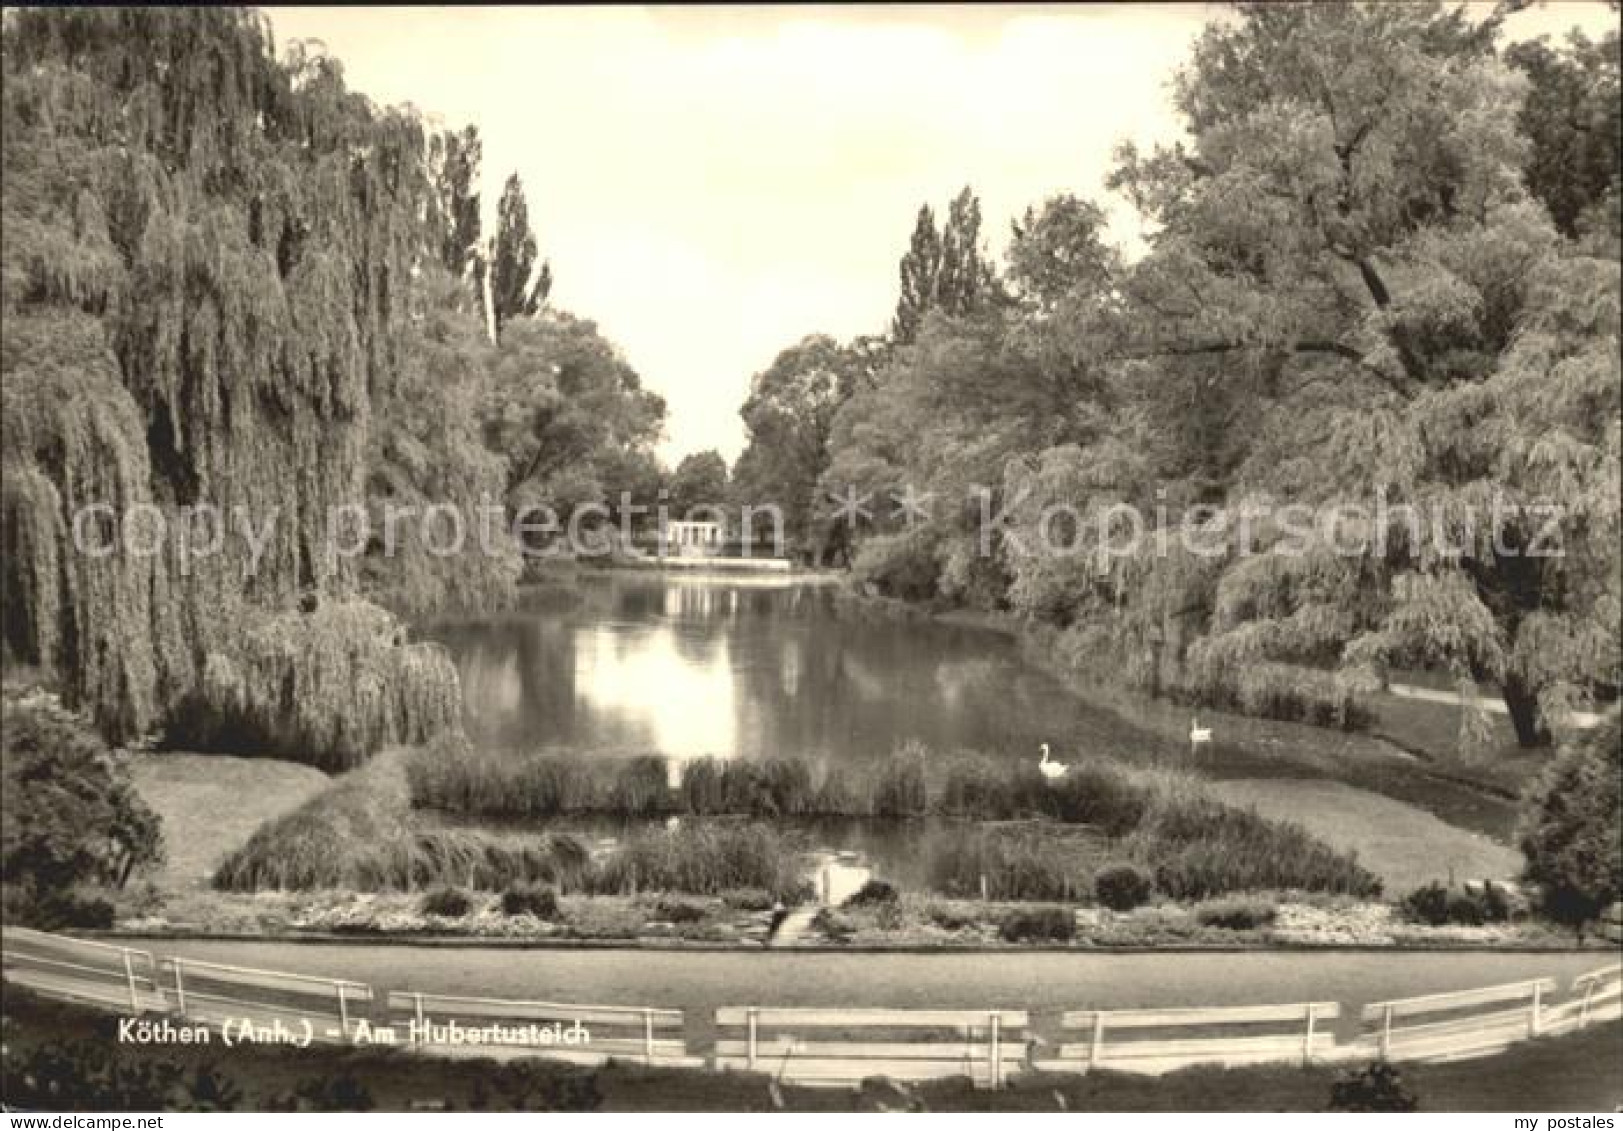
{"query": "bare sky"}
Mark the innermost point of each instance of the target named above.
(712, 184)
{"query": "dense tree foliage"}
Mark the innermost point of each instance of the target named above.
(788, 419)
(1572, 827)
(70, 816)
(516, 286)
(205, 268)
(569, 414)
(230, 282)
(699, 480)
(1370, 288)
(1572, 118)
(944, 269)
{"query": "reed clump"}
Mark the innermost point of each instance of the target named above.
(1009, 864)
(1201, 848)
(704, 859)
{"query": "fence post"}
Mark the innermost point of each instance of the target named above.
(751, 1053)
(180, 988)
(1533, 1010)
(1097, 1045)
(343, 1012)
(997, 1054)
(1386, 1032)
(1307, 1041)
(421, 1032)
(648, 1035)
(129, 979)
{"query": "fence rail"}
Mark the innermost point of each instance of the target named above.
(1160, 1040)
(1596, 996)
(850, 1045)
(81, 970)
(1454, 1026)
(585, 1034)
(327, 1010)
(815, 1045)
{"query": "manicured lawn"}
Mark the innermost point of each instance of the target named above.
(1404, 845)
(1432, 730)
(211, 803)
(1583, 1072)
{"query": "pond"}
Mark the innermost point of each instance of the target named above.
(739, 666)
(687, 667)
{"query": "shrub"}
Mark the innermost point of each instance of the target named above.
(898, 565)
(681, 911)
(873, 892)
(703, 786)
(447, 902)
(1204, 848)
(702, 859)
(1236, 914)
(979, 789)
(1098, 796)
(639, 788)
(1376, 1087)
(1038, 924)
(900, 789)
(538, 900)
(343, 1092)
(950, 918)
(1013, 863)
(87, 1076)
(1436, 904)
(68, 814)
(833, 925)
(748, 899)
(1570, 826)
(1122, 887)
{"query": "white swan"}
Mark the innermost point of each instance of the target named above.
(1198, 736)
(1053, 771)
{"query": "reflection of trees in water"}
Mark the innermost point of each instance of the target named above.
(804, 677)
(518, 678)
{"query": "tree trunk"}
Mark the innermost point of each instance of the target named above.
(1523, 707)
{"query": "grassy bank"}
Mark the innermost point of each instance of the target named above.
(1412, 751)
(360, 835)
(211, 803)
(65, 1058)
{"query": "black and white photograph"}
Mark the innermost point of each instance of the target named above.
(772, 559)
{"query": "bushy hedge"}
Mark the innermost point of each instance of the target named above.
(1437, 904)
(1122, 887)
(1571, 828)
(68, 815)
(538, 900)
(448, 902)
(1038, 924)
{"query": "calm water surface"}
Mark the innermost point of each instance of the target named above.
(687, 667)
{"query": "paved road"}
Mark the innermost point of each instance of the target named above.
(1045, 982)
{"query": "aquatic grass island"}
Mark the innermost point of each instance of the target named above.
(652, 556)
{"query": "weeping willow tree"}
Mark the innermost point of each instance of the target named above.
(207, 260)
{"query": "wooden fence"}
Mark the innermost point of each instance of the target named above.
(1455, 1026)
(271, 1004)
(584, 1034)
(79, 970)
(1161, 1040)
(1596, 996)
(809, 1046)
(845, 1046)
